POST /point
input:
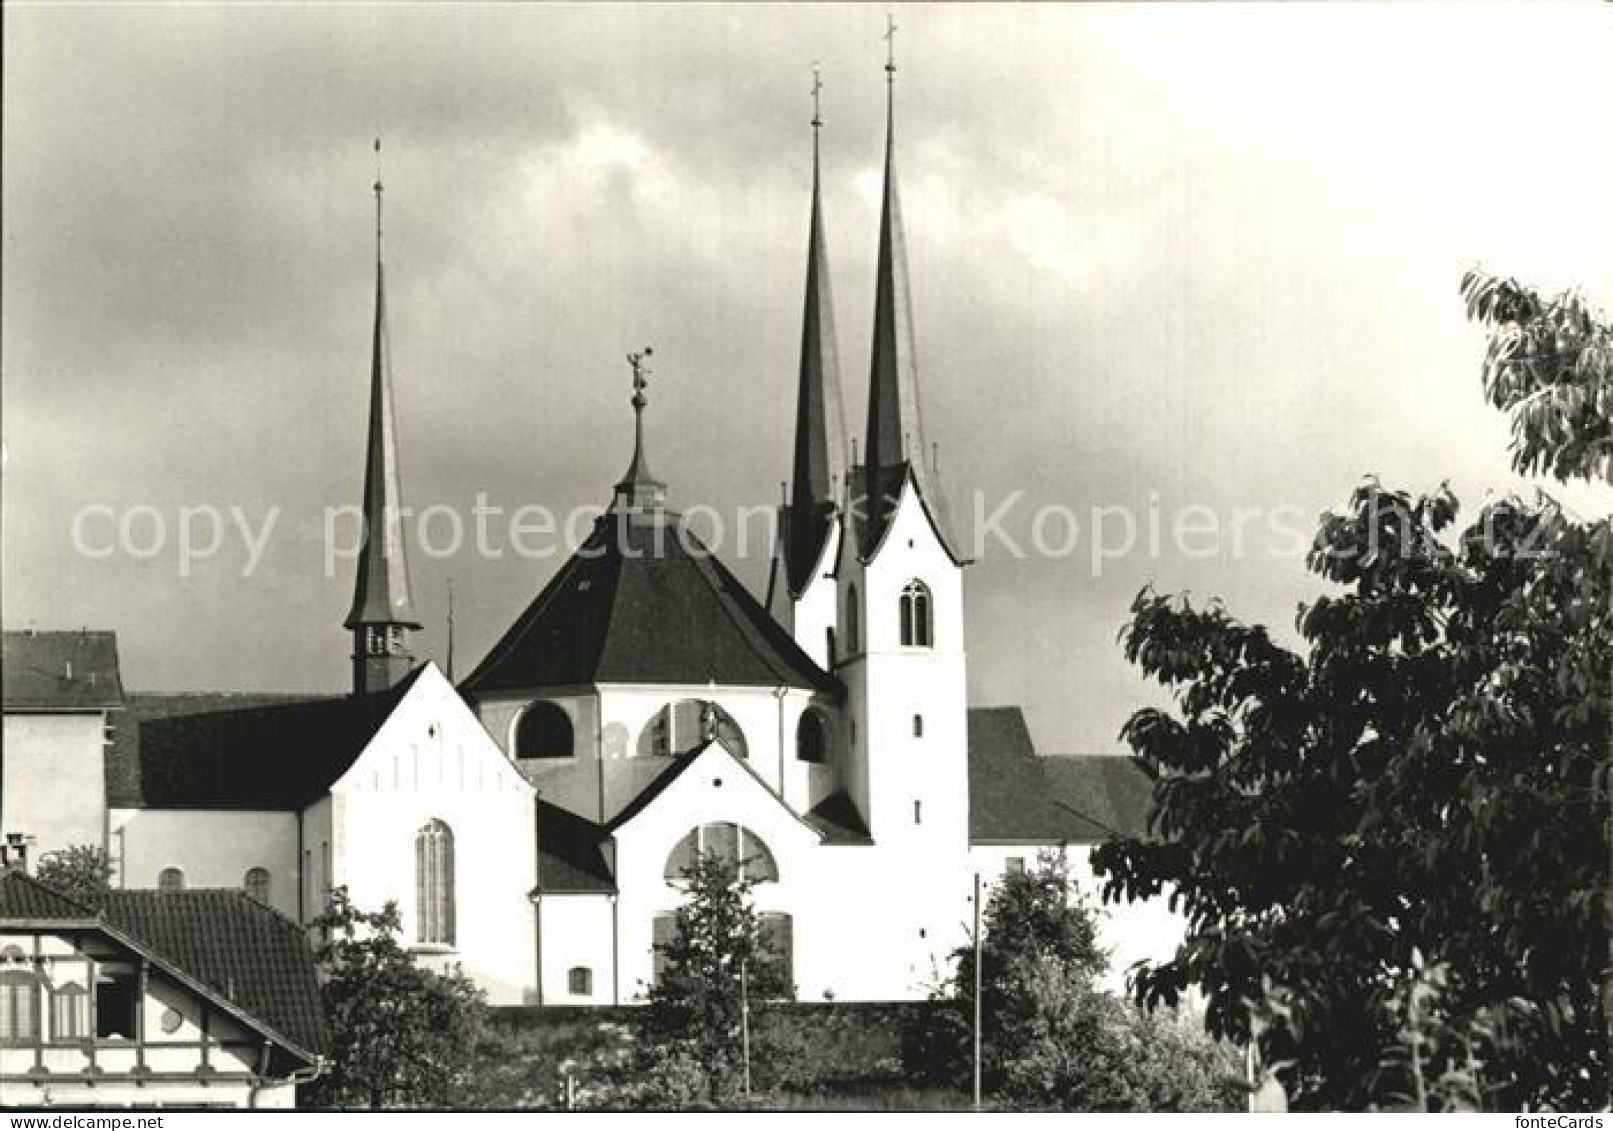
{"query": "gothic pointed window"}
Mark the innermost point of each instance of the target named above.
(917, 628)
(434, 885)
(853, 633)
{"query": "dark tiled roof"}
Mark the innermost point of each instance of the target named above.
(242, 954)
(25, 899)
(60, 671)
(571, 854)
(250, 954)
(175, 752)
(836, 817)
(643, 602)
(1107, 789)
(1019, 797)
(123, 763)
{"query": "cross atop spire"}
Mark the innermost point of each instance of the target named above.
(890, 49)
(639, 488)
(817, 110)
(379, 189)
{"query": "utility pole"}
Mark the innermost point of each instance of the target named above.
(979, 953)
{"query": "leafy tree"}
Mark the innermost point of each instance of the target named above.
(82, 871)
(401, 1036)
(1049, 1037)
(1421, 780)
(1550, 365)
(714, 967)
(1036, 931)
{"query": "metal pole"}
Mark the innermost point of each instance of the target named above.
(1249, 1068)
(978, 956)
(1607, 919)
(744, 1021)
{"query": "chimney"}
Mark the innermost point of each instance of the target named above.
(14, 852)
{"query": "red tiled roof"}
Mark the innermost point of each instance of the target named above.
(60, 671)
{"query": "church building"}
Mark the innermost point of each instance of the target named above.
(533, 823)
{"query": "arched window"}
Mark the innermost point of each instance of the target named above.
(580, 981)
(544, 732)
(256, 884)
(19, 1007)
(812, 737)
(687, 724)
(170, 880)
(731, 843)
(853, 629)
(434, 885)
(917, 630)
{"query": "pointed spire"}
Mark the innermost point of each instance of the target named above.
(820, 431)
(383, 610)
(639, 489)
(895, 437)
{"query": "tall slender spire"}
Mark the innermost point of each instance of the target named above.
(820, 431)
(383, 613)
(894, 444)
(639, 489)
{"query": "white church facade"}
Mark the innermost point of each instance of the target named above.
(532, 823)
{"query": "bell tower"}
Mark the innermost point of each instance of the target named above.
(900, 586)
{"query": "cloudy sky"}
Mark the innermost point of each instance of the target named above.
(1162, 257)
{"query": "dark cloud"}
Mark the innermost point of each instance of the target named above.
(1158, 253)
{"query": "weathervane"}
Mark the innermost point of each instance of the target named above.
(890, 48)
(641, 376)
(817, 86)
